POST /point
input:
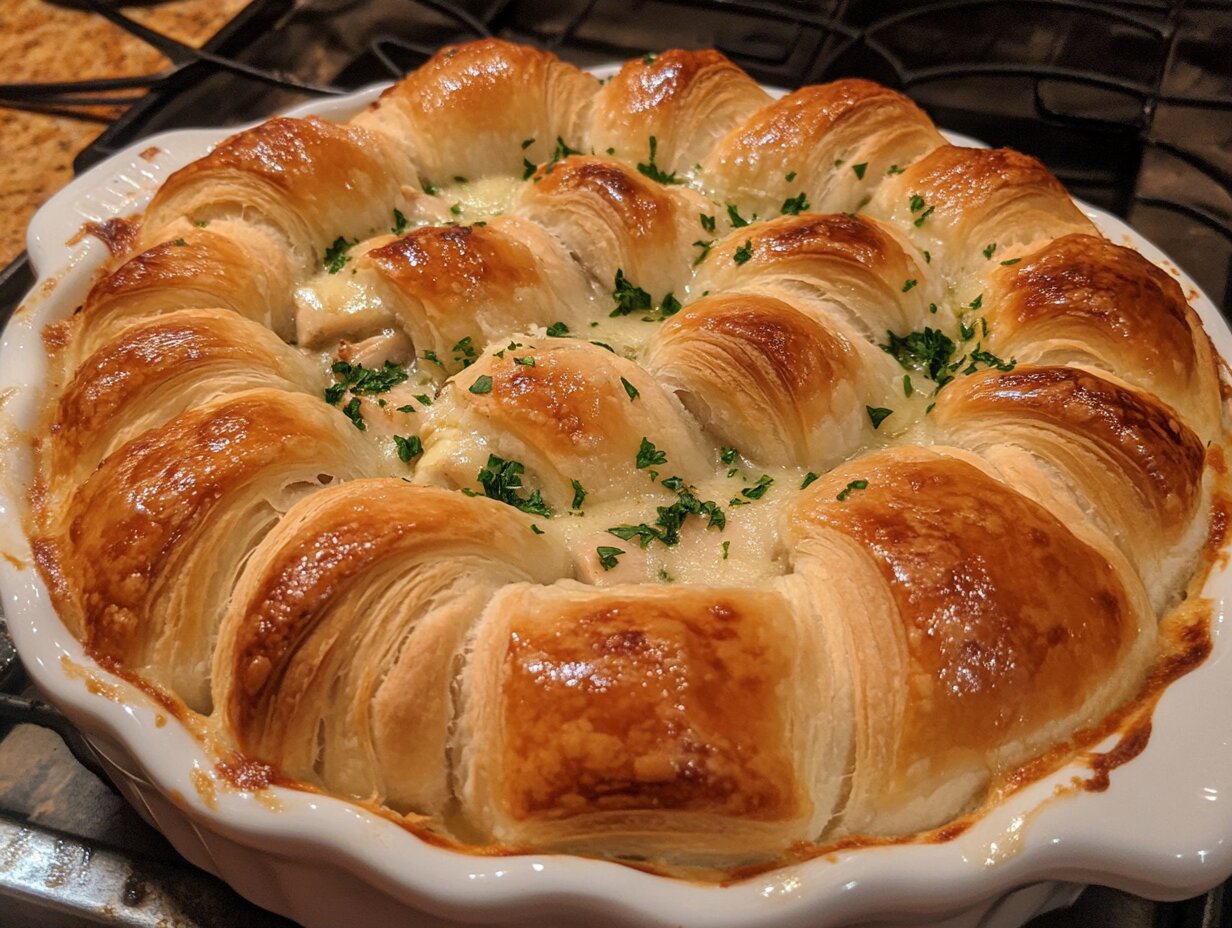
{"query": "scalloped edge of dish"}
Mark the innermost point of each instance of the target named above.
(1163, 829)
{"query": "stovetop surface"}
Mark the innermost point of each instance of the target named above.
(1130, 103)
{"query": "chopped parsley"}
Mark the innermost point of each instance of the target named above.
(456, 209)
(977, 302)
(878, 415)
(527, 143)
(705, 247)
(670, 306)
(859, 170)
(916, 203)
(629, 297)
(727, 454)
(649, 456)
(894, 169)
(808, 478)
(919, 221)
(424, 398)
(758, 490)
(735, 218)
(408, 447)
(928, 258)
(909, 284)
(608, 555)
(847, 490)
(400, 223)
(908, 389)
(651, 170)
(363, 381)
(725, 546)
(527, 361)
(579, 494)
(501, 480)
(560, 153)
(179, 243)
(431, 356)
(980, 356)
(1011, 262)
(929, 351)
(630, 389)
(789, 176)
(989, 250)
(336, 255)
(707, 222)
(605, 346)
(482, 384)
(536, 529)
(528, 169)
(744, 252)
(351, 411)
(794, 206)
(558, 330)
(464, 351)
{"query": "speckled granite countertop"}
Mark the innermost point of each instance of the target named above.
(40, 41)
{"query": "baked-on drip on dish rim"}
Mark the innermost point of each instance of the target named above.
(646, 469)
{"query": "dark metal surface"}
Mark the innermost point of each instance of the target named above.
(1130, 103)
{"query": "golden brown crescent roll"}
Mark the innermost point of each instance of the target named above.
(833, 142)
(979, 629)
(559, 406)
(221, 264)
(566, 740)
(443, 284)
(469, 110)
(1109, 453)
(853, 269)
(972, 208)
(1083, 300)
(157, 369)
(154, 540)
(337, 656)
(613, 219)
(760, 374)
(685, 100)
(309, 181)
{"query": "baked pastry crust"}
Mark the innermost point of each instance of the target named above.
(634, 468)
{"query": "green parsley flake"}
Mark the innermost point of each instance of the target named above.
(527, 361)
(464, 351)
(727, 454)
(629, 297)
(482, 384)
(929, 352)
(847, 490)
(605, 346)
(758, 490)
(536, 529)
(795, 205)
(363, 381)
(928, 258)
(630, 389)
(705, 247)
(180, 243)
(501, 480)
(649, 456)
(652, 170)
(924, 215)
(424, 398)
(558, 330)
(1011, 262)
(707, 222)
(744, 252)
(456, 209)
(527, 143)
(894, 169)
(989, 250)
(977, 302)
(608, 555)
(431, 356)
(733, 215)
(908, 389)
(859, 170)
(726, 547)
(336, 255)
(408, 447)
(579, 494)
(790, 176)
(878, 415)
(351, 411)
(916, 203)
(528, 169)
(808, 478)
(400, 224)
(908, 284)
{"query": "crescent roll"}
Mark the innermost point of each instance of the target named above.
(972, 208)
(310, 182)
(481, 108)
(965, 662)
(685, 100)
(614, 219)
(157, 369)
(758, 373)
(834, 143)
(855, 270)
(154, 540)
(566, 742)
(562, 408)
(1083, 300)
(337, 656)
(1116, 456)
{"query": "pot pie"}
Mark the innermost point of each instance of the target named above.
(643, 468)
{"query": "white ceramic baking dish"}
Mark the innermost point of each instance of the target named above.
(1163, 829)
